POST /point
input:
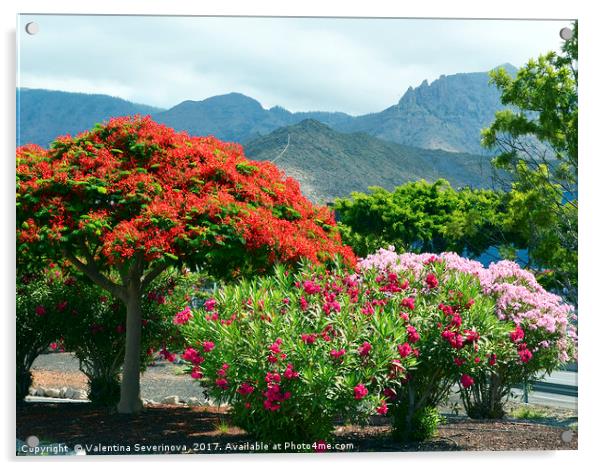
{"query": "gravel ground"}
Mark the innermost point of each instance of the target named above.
(158, 381)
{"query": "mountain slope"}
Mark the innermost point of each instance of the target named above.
(43, 115)
(331, 164)
(233, 117)
(448, 114)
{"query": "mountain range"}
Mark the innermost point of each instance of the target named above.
(43, 115)
(432, 131)
(447, 114)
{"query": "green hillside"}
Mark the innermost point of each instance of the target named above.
(331, 164)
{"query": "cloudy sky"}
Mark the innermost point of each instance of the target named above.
(351, 65)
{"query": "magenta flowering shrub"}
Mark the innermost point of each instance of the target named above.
(541, 332)
(95, 329)
(293, 351)
(452, 327)
(290, 353)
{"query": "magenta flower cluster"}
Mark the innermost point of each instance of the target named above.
(519, 298)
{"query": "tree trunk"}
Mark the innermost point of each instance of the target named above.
(130, 401)
(24, 381)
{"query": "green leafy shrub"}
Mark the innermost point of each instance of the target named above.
(291, 352)
(401, 331)
(95, 330)
(61, 306)
(422, 217)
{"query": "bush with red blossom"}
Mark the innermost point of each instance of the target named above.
(537, 329)
(293, 351)
(40, 301)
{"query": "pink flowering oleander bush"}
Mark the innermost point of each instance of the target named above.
(292, 352)
(542, 335)
(453, 326)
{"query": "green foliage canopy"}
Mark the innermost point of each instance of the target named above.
(536, 141)
(422, 217)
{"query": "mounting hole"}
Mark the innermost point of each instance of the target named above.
(566, 33)
(32, 28)
(567, 436)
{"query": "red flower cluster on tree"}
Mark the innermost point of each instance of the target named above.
(135, 186)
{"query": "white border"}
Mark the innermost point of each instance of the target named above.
(590, 212)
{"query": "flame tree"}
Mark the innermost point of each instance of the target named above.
(129, 198)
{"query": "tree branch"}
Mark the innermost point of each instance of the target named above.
(152, 275)
(96, 276)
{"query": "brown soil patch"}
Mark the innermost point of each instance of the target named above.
(208, 429)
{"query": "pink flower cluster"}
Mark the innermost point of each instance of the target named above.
(210, 305)
(360, 391)
(520, 299)
(337, 354)
(167, 355)
(364, 349)
(221, 381)
(310, 287)
(245, 389)
(466, 381)
(194, 357)
(183, 317)
(274, 395)
(309, 338)
(276, 353)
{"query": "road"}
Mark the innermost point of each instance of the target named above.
(558, 389)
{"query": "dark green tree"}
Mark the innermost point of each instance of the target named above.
(422, 217)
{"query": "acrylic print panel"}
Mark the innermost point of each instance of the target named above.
(241, 234)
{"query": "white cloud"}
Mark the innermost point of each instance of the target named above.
(350, 65)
